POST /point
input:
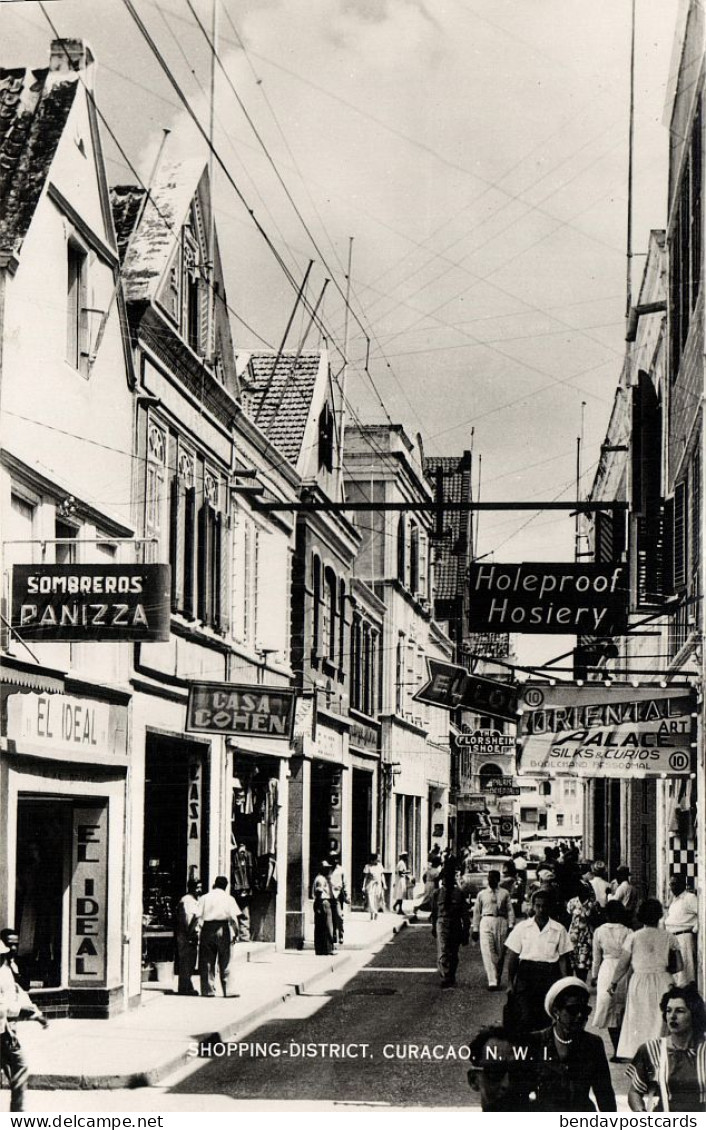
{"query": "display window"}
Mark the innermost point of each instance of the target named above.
(254, 818)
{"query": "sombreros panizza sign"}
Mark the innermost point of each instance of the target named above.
(610, 731)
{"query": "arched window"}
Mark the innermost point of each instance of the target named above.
(401, 549)
(316, 647)
(342, 625)
(329, 640)
(488, 773)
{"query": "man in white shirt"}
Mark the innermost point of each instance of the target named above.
(682, 921)
(217, 911)
(337, 880)
(493, 915)
(538, 950)
(13, 1001)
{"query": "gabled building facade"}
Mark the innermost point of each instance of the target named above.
(66, 474)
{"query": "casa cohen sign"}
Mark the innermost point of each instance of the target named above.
(548, 598)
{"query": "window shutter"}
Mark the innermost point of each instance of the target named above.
(204, 318)
(202, 556)
(189, 550)
(216, 579)
(176, 541)
(668, 547)
(224, 551)
(679, 535)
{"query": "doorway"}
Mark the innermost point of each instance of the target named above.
(43, 876)
(361, 831)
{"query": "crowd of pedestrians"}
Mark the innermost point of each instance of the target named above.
(568, 931)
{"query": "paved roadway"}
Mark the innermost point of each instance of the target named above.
(394, 1004)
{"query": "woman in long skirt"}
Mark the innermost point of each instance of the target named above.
(374, 885)
(654, 957)
(607, 949)
(400, 889)
(323, 918)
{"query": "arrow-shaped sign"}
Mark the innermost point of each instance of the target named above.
(450, 687)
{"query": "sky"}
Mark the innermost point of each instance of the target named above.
(476, 153)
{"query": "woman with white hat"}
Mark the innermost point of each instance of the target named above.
(568, 1063)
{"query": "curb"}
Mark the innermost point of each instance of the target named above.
(153, 1076)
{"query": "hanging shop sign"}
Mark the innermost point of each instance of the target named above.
(89, 894)
(610, 731)
(228, 708)
(487, 742)
(451, 687)
(549, 598)
(91, 602)
(502, 786)
(471, 802)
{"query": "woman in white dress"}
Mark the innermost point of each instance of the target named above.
(399, 892)
(374, 885)
(608, 941)
(654, 957)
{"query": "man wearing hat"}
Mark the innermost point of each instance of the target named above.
(566, 1063)
(14, 1001)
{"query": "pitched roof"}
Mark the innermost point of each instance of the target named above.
(174, 187)
(277, 395)
(452, 550)
(34, 108)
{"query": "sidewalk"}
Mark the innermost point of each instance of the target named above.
(143, 1046)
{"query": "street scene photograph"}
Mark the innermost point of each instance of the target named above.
(352, 446)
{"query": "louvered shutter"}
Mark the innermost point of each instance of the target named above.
(176, 541)
(217, 602)
(202, 553)
(189, 550)
(204, 318)
(679, 535)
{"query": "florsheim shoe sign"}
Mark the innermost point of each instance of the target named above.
(595, 730)
(551, 598)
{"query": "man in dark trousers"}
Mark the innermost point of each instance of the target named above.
(218, 911)
(13, 1002)
(241, 886)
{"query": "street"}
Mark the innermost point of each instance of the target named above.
(388, 1035)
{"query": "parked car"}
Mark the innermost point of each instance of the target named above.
(475, 876)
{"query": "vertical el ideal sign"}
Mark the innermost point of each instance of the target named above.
(609, 731)
(89, 895)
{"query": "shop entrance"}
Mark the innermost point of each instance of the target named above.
(43, 877)
(325, 816)
(361, 831)
(175, 847)
(254, 816)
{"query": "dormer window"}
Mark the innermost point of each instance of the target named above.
(326, 425)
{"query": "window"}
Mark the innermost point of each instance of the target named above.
(685, 245)
(330, 613)
(647, 501)
(545, 789)
(195, 288)
(182, 541)
(402, 550)
(542, 821)
(355, 661)
(342, 626)
(209, 553)
(413, 558)
(399, 674)
(560, 819)
(570, 788)
(326, 429)
(76, 303)
(156, 492)
(316, 648)
(65, 554)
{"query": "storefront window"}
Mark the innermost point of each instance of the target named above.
(43, 874)
(254, 815)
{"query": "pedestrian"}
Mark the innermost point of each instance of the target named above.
(599, 881)
(538, 955)
(493, 1071)
(669, 1074)
(681, 920)
(374, 885)
(493, 915)
(654, 957)
(582, 910)
(607, 947)
(340, 896)
(13, 1002)
(218, 915)
(399, 892)
(430, 879)
(11, 938)
(626, 894)
(324, 940)
(566, 1063)
(241, 884)
(450, 922)
(514, 882)
(186, 936)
